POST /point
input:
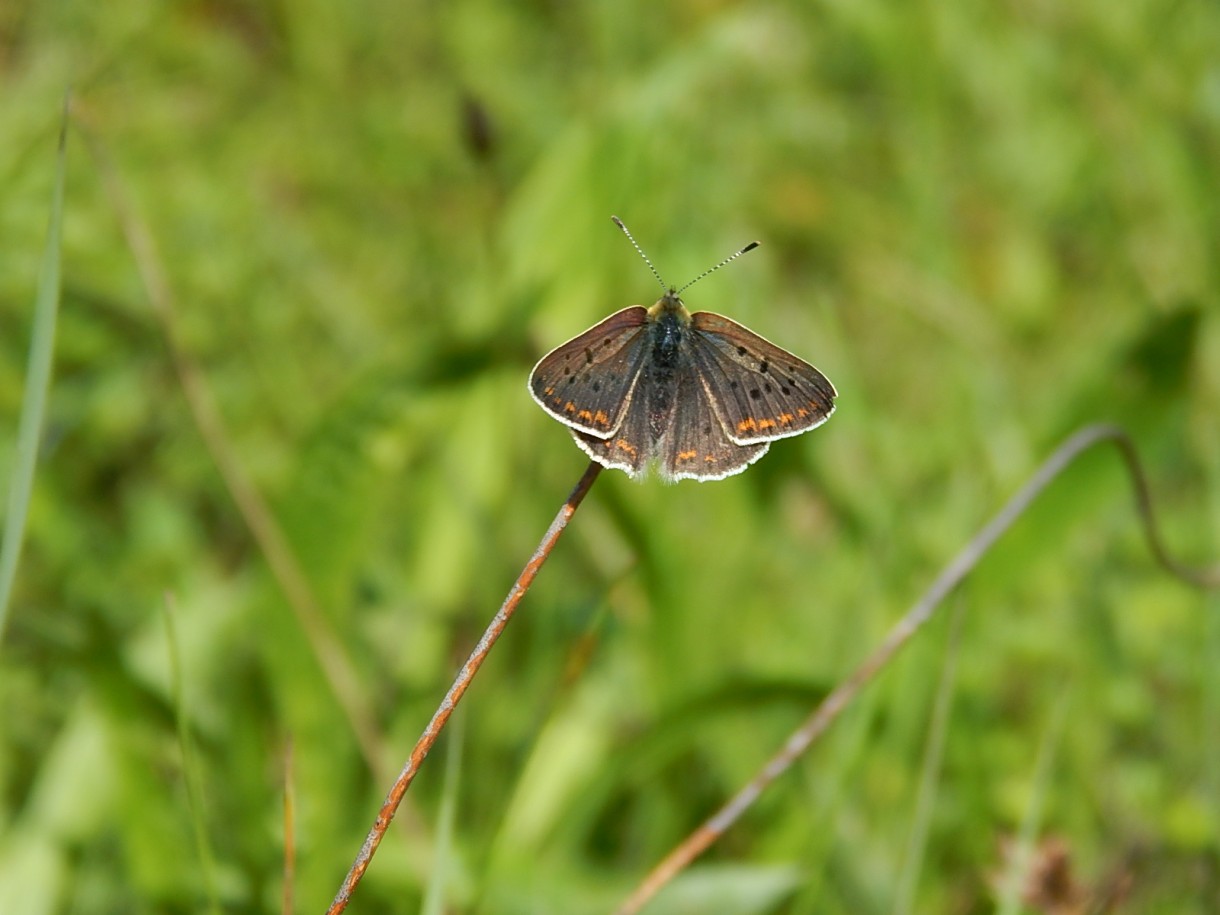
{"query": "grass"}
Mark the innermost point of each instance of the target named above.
(34, 401)
(987, 224)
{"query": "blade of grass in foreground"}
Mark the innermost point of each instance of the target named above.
(1014, 881)
(37, 383)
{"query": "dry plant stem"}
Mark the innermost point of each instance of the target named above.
(339, 671)
(905, 629)
(459, 687)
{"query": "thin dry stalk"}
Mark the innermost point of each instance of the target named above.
(458, 689)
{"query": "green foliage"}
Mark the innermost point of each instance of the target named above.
(986, 223)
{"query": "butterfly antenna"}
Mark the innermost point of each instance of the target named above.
(618, 222)
(732, 257)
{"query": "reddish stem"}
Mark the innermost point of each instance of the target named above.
(458, 689)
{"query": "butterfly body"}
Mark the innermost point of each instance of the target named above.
(698, 396)
(667, 324)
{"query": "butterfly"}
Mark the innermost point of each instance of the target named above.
(695, 396)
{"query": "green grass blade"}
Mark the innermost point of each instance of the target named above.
(442, 871)
(1016, 869)
(190, 763)
(37, 383)
(930, 771)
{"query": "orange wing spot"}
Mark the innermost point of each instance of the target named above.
(766, 424)
(623, 445)
(585, 415)
(802, 412)
(785, 419)
(687, 455)
(569, 407)
(601, 418)
(549, 391)
(709, 459)
(747, 425)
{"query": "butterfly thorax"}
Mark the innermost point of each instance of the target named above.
(668, 321)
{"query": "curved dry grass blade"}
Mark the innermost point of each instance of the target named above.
(37, 383)
(459, 687)
(902, 632)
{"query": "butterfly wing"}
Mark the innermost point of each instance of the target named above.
(758, 390)
(628, 449)
(697, 447)
(587, 383)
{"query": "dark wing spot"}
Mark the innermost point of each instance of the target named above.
(786, 390)
(755, 393)
(597, 386)
(763, 367)
(767, 387)
(733, 385)
(741, 351)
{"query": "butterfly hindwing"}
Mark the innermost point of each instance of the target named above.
(696, 446)
(628, 449)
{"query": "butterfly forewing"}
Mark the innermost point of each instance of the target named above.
(696, 447)
(759, 391)
(588, 382)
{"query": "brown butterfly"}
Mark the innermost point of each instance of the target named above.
(698, 396)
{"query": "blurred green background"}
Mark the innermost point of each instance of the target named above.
(988, 223)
